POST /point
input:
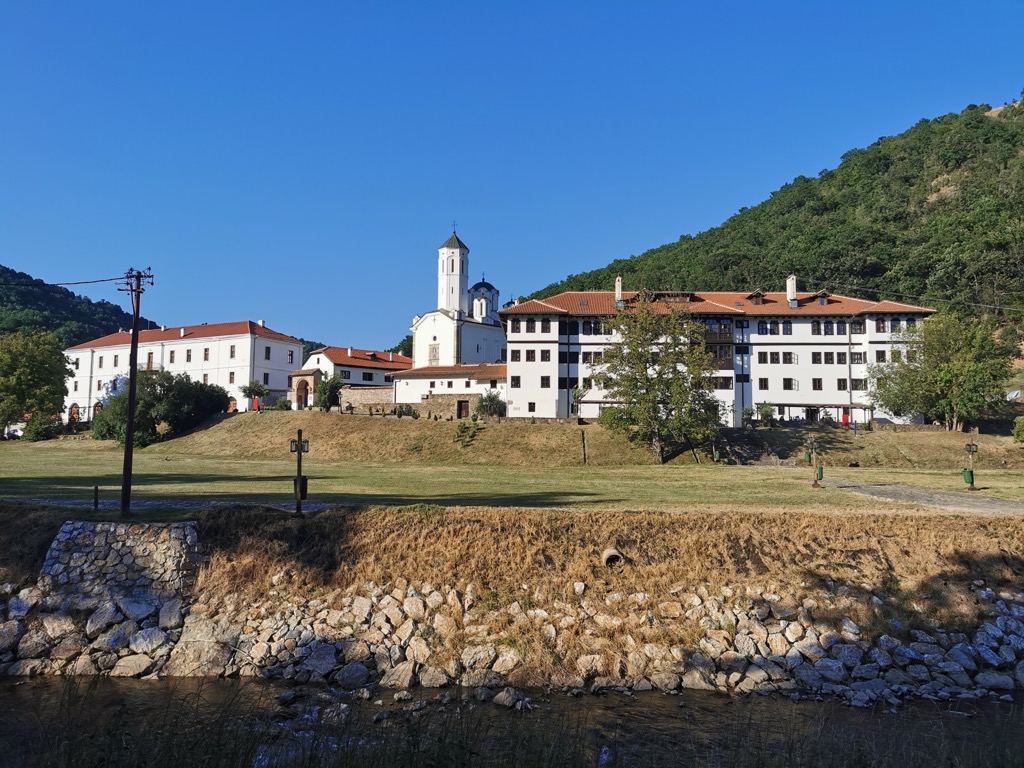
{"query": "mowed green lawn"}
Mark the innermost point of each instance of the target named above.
(70, 470)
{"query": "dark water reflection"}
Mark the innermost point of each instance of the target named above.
(54, 722)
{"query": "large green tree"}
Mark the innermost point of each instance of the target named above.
(162, 398)
(327, 392)
(949, 369)
(33, 375)
(658, 374)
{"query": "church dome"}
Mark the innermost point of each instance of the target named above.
(483, 285)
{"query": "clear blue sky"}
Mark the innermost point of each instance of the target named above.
(300, 162)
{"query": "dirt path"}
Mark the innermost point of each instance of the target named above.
(907, 494)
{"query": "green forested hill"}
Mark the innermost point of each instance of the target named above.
(936, 212)
(27, 304)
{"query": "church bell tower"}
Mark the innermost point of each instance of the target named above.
(453, 277)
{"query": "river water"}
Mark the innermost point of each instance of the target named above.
(110, 723)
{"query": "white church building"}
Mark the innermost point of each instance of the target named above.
(460, 346)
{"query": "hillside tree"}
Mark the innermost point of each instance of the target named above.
(33, 376)
(949, 369)
(658, 375)
(327, 392)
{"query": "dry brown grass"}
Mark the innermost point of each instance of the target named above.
(922, 564)
(24, 538)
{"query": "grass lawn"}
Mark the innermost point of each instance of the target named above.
(70, 469)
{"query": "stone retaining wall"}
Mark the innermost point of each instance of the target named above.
(412, 633)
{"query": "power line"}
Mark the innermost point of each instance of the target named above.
(40, 283)
(863, 288)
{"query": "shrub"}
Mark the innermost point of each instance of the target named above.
(41, 427)
(1018, 429)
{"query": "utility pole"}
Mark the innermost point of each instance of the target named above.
(134, 280)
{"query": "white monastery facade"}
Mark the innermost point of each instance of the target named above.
(807, 354)
(227, 354)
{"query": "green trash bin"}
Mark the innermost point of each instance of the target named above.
(969, 476)
(718, 456)
(819, 473)
(807, 456)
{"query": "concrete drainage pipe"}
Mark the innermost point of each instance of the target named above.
(611, 557)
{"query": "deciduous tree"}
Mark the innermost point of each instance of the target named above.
(33, 375)
(950, 369)
(659, 376)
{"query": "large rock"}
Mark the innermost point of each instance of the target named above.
(665, 681)
(810, 650)
(83, 666)
(479, 656)
(433, 677)
(508, 697)
(20, 606)
(58, 624)
(507, 660)
(351, 676)
(414, 608)
(135, 609)
(148, 641)
(995, 681)
(10, 634)
(117, 637)
(171, 614)
(136, 665)
(401, 676)
(322, 659)
(104, 616)
(67, 648)
(33, 644)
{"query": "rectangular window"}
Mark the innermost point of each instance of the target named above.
(879, 355)
(787, 328)
(99, 385)
(896, 356)
(911, 322)
(494, 383)
(762, 358)
(816, 358)
(587, 383)
(574, 357)
(816, 385)
(588, 357)
(828, 328)
(531, 326)
(531, 356)
(858, 384)
(531, 407)
(172, 356)
(787, 358)
(545, 382)
(545, 355)
(598, 358)
(76, 386)
(206, 378)
(432, 385)
(266, 353)
(857, 326)
(266, 379)
(76, 363)
(346, 374)
(857, 358)
(762, 327)
(880, 324)
(367, 376)
(206, 354)
(894, 325)
(150, 359)
(516, 326)
(830, 358)
(467, 384)
(563, 327)
(789, 384)
(742, 349)
(815, 328)
(841, 358)
(188, 355)
(291, 356)
(449, 384)
(742, 378)
(513, 382)
(231, 377)
(101, 362)
(762, 383)
(722, 382)
(563, 357)
(841, 385)
(545, 326)
(840, 327)
(514, 355)
(231, 352)
(773, 328)
(774, 357)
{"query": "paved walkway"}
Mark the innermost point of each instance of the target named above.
(963, 501)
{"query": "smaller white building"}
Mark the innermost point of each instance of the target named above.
(355, 368)
(449, 387)
(229, 355)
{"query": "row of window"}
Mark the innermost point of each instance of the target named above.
(590, 327)
(564, 357)
(451, 384)
(816, 384)
(206, 380)
(564, 382)
(188, 357)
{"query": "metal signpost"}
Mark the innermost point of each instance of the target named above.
(971, 448)
(299, 447)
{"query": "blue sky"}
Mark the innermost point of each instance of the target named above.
(301, 162)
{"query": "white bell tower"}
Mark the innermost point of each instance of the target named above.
(453, 276)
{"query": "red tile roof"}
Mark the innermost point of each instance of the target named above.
(597, 303)
(364, 358)
(203, 331)
(478, 372)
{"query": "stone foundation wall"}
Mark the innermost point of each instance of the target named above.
(408, 633)
(362, 398)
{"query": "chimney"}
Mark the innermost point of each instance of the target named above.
(791, 291)
(350, 351)
(391, 357)
(618, 289)
(163, 327)
(259, 323)
(183, 331)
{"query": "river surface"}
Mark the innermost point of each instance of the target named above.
(57, 722)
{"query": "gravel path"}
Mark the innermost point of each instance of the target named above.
(963, 501)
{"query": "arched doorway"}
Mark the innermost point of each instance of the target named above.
(96, 409)
(73, 414)
(302, 394)
(232, 405)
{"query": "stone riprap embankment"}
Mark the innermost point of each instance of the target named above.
(141, 618)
